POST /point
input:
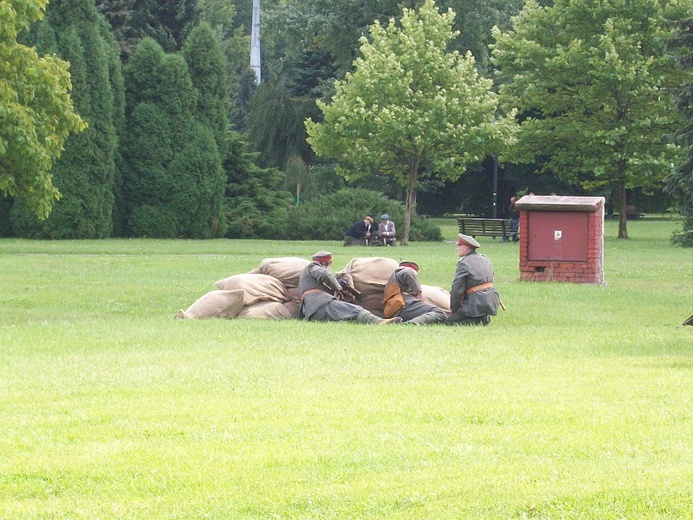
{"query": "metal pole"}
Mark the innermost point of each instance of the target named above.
(255, 42)
(495, 185)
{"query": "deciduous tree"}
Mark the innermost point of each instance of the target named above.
(590, 78)
(36, 111)
(85, 173)
(411, 108)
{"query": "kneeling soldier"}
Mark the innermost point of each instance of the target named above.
(320, 295)
(473, 298)
(403, 297)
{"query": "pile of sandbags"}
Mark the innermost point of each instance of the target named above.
(369, 276)
(252, 295)
(271, 290)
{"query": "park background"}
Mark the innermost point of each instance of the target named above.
(573, 403)
(181, 140)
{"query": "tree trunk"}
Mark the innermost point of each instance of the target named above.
(410, 202)
(622, 211)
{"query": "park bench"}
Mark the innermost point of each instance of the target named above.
(484, 227)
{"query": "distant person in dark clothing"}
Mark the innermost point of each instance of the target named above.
(513, 220)
(360, 233)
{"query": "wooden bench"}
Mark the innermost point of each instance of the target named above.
(484, 227)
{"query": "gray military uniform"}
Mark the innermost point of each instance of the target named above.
(414, 310)
(473, 270)
(320, 304)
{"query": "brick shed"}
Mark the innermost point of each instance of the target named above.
(561, 239)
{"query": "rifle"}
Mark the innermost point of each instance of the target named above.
(349, 289)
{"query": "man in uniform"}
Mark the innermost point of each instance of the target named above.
(404, 282)
(473, 298)
(320, 292)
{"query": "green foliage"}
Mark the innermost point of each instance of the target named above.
(680, 182)
(171, 158)
(590, 79)
(168, 22)
(36, 111)
(255, 205)
(85, 172)
(411, 108)
(274, 124)
(330, 216)
(206, 64)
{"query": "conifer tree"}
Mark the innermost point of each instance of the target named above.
(173, 185)
(84, 174)
(206, 64)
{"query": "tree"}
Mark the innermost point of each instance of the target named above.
(85, 173)
(36, 112)
(256, 206)
(206, 64)
(589, 78)
(680, 182)
(410, 109)
(173, 185)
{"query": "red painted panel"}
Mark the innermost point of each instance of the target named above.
(558, 235)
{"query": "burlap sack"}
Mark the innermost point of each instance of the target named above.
(369, 275)
(286, 269)
(293, 307)
(255, 287)
(436, 296)
(373, 303)
(265, 310)
(215, 304)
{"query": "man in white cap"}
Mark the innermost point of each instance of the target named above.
(320, 292)
(473, 298)
(360, 233)
(404, 297)
(386, 231)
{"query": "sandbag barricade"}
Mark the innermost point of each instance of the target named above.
(266, 292)
(369, 276)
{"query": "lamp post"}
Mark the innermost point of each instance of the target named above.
(495, 185)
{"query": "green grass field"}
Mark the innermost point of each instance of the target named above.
(577, 402)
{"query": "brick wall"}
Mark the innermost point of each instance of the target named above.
(589, 271)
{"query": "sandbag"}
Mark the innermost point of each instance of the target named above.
(255, 287)
(372, 303)
(369, 275)
(285, 269)
(265, 310)
(215, 304)
(436, 296)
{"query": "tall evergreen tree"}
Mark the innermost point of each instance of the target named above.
(167, 21)
(680, 182)
(75, 31)
(207, 69)
(173, 185)
(256, 206)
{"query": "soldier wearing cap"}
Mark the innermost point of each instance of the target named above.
(360, 233)
(386, 231)
(473, 298)
(404, 297)
(319, 291)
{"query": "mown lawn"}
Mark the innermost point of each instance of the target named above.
(577, 402)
